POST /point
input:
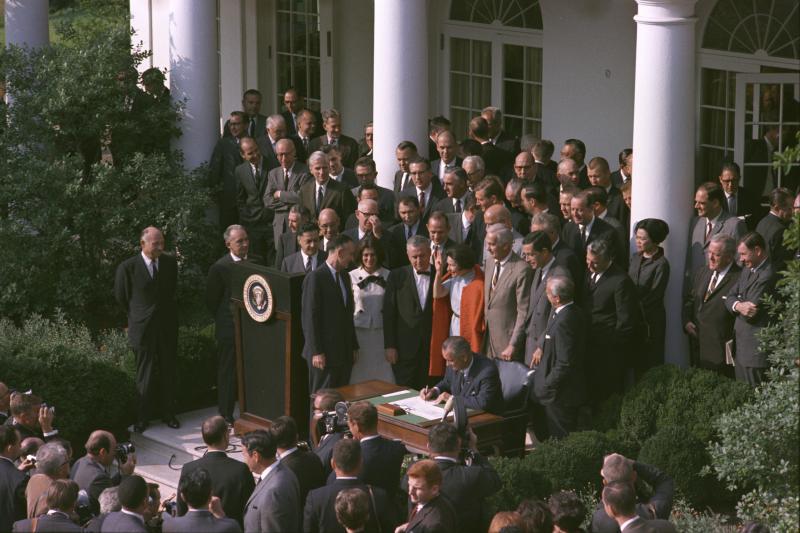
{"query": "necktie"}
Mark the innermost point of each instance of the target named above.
(155, 270)
(334, 141)
(308, 265)
(305, 144)
(709, 226)
(320, 194)
(593, 279)
(251, 128)
(541, 276)
(404, 181)
(711, 286)
(285, 179)
(458, 205)
(409, 234)
(583, 234)
(341, 287)
(732, 204)
(496, 274)
(422, 201)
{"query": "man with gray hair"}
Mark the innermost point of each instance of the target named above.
(706, 320)
(498, 136)
(551, 225)
(283, 185)
(109, 503)
(324, 192)
(618, 468)
(613, 308)
(218, 295)
(407, 315)
(475, 168)
(506, 295)
(268, 139)
(52, 462)
(558, 383)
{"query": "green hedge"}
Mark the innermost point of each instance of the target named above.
(92, 383)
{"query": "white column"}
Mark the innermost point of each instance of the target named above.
(664, 140)
(26, 23)
(194, 70)
(142, 26)
(400, 91)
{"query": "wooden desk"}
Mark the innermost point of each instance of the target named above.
(492, 430)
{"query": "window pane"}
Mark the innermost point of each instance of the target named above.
(534, 57)
(513, 62)
(283, 32)
(533, 107)
(482, 57)
(460, 119)
(459, 90)
(299, 34)
(714, 87)
(481, 92)
(313, 36)
(299, 68)
(284, 5)
(712, 127)
(534, 127)
(731, 128)
(513, 126)
(513, 91)
(284, 73)
(459, 55)
(314, 90)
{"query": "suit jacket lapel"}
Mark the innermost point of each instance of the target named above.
(419, 517)
(412, 281)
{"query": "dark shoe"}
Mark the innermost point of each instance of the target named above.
(172, 422)
(139, 427)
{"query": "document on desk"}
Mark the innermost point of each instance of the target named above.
(419, 407)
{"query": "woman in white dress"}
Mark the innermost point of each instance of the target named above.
(369, 282)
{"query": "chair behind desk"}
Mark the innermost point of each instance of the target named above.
(516, 385)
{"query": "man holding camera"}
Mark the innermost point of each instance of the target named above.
(91, 473)
(323, 441)
(204, 513)
(31, 417)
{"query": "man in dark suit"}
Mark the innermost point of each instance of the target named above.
(305, 465)
(439, 230)
(447, 148)
(746, 302)
(283, 186)
(309, 257)
(739, 202)
(499, 137)
(497, 160)
(145, 288)
(295, 104)
(253, 214)
(306, 131)
(711, 220)
(369, 223)
(12, 480)
(455, 187)
(218, 296)
(347, 146)
(366, 174)
(575, 149)
(430, 511)
(297, 217)
(319, 514)
(254, 122)
(614, 315)
(625, 171)
(268, 139)
(61, 495)
(600, 176)
(30, 417)
(343, 175)
(381, 458)
(407, 315)
(275, 502)
(772, 227)
(366, 144)
(558, 383)
(91, 472)
(598, 199)
(551, 225)
(537, 252)
(758, 161)
(224, 160)
(470, 376)
(324, 192)
(656, 504)
(231, 480)
(585, 228)
(196, 488)
(465, 485)
(405, 152)
(327, 318)
(706, 320)
(134, 499)
(409, 226)
(427, 190)
(325, 401)
(619, 502)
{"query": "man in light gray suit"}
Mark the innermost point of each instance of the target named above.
(506, 296)
(711, 220)
(275, 504)
(746, 301)
(204, 515)
(309, 257)
(537, 252)
(283, 185)
(133, 497)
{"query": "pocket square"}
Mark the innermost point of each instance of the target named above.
(547, 336)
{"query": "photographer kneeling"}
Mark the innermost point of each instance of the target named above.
(92, 471)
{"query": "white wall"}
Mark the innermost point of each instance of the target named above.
(589, 59)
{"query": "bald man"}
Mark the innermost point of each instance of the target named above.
(145, 289)
(329, 227)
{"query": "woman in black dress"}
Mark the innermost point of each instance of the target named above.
(649, 271)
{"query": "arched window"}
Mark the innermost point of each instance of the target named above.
(493, 49)
(297, 50)
(740, 36)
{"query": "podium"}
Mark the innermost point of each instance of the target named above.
(272, 375)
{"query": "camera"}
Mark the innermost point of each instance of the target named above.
(31, 459)
(124, 449)
(336, 421)
(171, 508)
(49, 408)
(83, 508)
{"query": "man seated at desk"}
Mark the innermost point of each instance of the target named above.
(471, 376)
